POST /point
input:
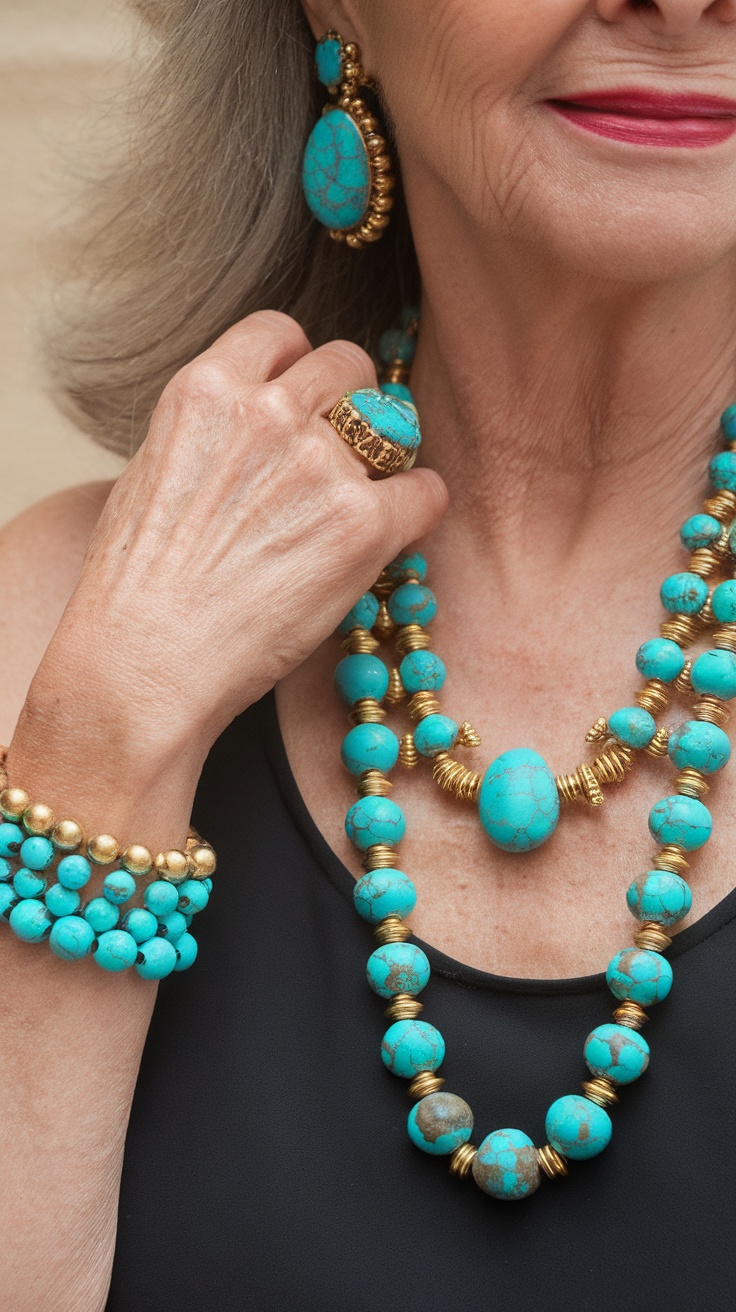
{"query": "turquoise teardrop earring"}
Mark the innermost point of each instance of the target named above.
(347, 172)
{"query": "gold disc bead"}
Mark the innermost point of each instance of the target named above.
(379, 856)
(422, 704)
(136, 859)
(722, 506)
(691, 783)
(172, 865)
(600, 1090)
(653, 697)
(672, 857)
(103, 849)
(67, 836)
(403, 1007)
(13, 802)
(630, 1014)
(391, 930)
(373, 783)
(412, 637)
(712, 710)
(360, 641)
(366, 711)
(38, 819)
(461, 1161)
(651, 936)
(552, 1163)
(423, 1084)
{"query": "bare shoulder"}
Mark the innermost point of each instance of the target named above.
(41, 554)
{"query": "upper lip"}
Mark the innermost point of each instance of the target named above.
(645, 102)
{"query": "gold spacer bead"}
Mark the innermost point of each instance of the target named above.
(598, 731)
(373, 783)
(468, 736)
(712, 710)
(136, 859)
(397, 372)
(653, 697)
(38, 819)
(612, 764)
(408, 754)
(391, 930)
(682, 682)
(591, 787)
(569, 787)
(672, 857)
(650, 935)
(396, 692)
(422, 704)
(360, 640)
(412, 637)
(172, 865)
(552, 1163)
(705, 616)
(456, 778)
(403, 1007)
(461, 1161)
(600, 1090)
(103, 849)
(631, 1015)
(13, 802)
(725, 637)
(704, 561)
(691, 783)
(67, 835)
(682, 629)
(202, 861)
(658, 745)
(379, 856)
(722, 506)
(384, 625)
(423, 1084)
(367, 711)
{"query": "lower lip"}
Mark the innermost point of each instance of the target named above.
(638, 130)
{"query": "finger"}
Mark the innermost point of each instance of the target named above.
(261, 347)
(410, 505)
(322, 377)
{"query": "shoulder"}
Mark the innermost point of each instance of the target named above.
(41, 555)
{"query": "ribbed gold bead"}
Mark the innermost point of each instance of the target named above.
(712, 710)
(391, 930)
(379, 856)
(384, 625)
(422, 704)
(373, 783)
(682, 629)
(682, 682)
(367, 711)
(360, 640)
(137, 859)
(468, 736)
(396, 692)
(591, 787)
(408, 754)
(651, 936)
(552, 1163)
(412, 637)
(724, 637)
(600, 1090)
(423, 1084)
(630, 1014)
(103, 849)
(456, 778)
(202, 861)
(653, 697)
(403, 1007)
(672, 857)
(67, 835)
(172, 865)
(704, 561)
(38, 819)
(722, 506)
(691, 783)
(13, 802)
(598, 731)
(461, 1161)
(612, 765)
(658, 746)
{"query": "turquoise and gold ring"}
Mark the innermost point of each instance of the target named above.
(382, 429)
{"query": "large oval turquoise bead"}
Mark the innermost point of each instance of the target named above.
(682, 820)
(434, 734)
(31, 920)
(659, 896)
(639, 975)
(723, 602)
(411, 1046)
(375, 820)
(714, 673)
(700, 745)
(412, 603)
(506, 1165)
(361, 675)
(440, 1123)
(577, 1127)
(363, 614)
(684, 594)
(617, 1053)
(518, 802)
(397, 968)
(660, 658)
(71, 938)
(391, 418)
(723, 471)
(422, 670)
(369, 747)
(700, 531)
(633, 726)
(335, 172)
(383, 893)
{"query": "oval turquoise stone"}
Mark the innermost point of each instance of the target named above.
(409, 561)
(723, 471)
(644, 977)
(724, 602)
(440, 1123)
(399, 390)
(617, 1052)
(383, 893)
(29, 883)
(73, 871)
(397, 968)
(577, 1127)
(140, 924)
(186, 951)
(369, 747)
(71, 937)
(700, 531)
(336, 174)
(714, 672)
(156, 958)
(361, 675)
(411, 1046)
(393, 419)
(421, 670)
(37, 853)
(518, 803)
(363, 614)
(684, 594)
(118, 887)
(681, 820)
(660, 658)
(435, 733)
(31, 920)
(375, 820)
(699, 744)
(660, 896)
(633, 726)
(328, 61)
(101, 914)
(115, 950)
(506, 1165)
(728, 422)
(412, 603)
(63, 901)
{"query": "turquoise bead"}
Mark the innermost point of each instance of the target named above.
(633, 726)
(73, 871)
(660, 658)
(186, 952)
(700, 745)
(435, 733)
(140, 924)
(363, 614)
(411, 1046)
(11, 839)
(71, 937)
(396, 346)
(361, 675)
(8, 899)
(681, 820)
(400, 391)
(383, 893)
(62, 901)
(684, 594)
(328, 61)
(506, 1165)
(639, 975)
(193, 897)
(714, 672)
(723, 602)
(160, 897)
(31, 920)
(700, 531)
(207, 884)
(728, 422)
(335, 172)
(397, 968)
(375, 820)
(577, 1127)
(37, 853)
(518, 802)
(440, 1123)
(413, 561)
(659, 896)
(156, 959)
(412, 603)
(101, 914)
(6, 869)
(393, 419)
(118, 887)
(29, 883)
(723, 471)
(172, 926)
(115, 950)
(422, 670)
(369, 747)
(617, 1053)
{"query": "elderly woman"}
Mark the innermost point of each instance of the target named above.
(539, 198)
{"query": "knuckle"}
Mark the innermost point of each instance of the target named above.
(282, 326)
(353, 356)
(201, 382)
(276, 407)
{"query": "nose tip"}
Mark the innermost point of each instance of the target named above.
(669, 17)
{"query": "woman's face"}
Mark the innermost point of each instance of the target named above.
(505, 116)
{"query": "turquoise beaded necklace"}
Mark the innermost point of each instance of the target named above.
(519, 805)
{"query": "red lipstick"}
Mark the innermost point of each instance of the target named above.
(641, 117)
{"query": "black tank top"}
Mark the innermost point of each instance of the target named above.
(268, 1165)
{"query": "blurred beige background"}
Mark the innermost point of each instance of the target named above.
(60, 61)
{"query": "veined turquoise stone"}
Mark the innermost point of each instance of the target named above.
(400, 391)
(336, 175)
(728, 422)
(382, 893)
(375, 820)
(63, 901)
(660, 896)
(31, 920)
(682, 820)
(412, 603)
(397, 968)
(140, 924)
(723, 602)
(518, 803)
(577, 1127)
(684, 594)
(723, 471)
(115, 950)
(617, 1052)
(440, 1123)
(411, 1046)
(193, 897)
(118, 887)
(660, 658)
(700, 745)
(394, 420)
(435, 733)
(644, 977)
(71, 937)
(328, 61)
(714, 672)
(633, 726)
(506, 1165)
(369, 747)
(361, 675)
(363, 614)
(415, 562)
(700, 531)
(29, 883)
(101, 915)
(422, 670)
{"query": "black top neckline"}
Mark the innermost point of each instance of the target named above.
(469, 976)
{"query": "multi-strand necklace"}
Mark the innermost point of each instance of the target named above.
(519, 802)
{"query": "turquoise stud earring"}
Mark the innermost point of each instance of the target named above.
(346, 174)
